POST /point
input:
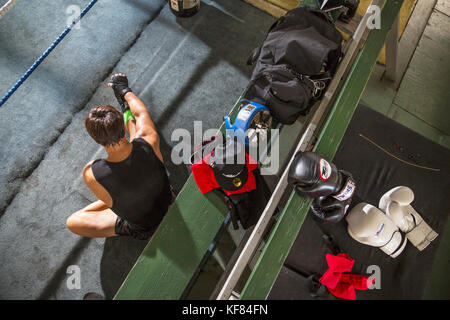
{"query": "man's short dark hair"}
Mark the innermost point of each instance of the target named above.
(105, 125)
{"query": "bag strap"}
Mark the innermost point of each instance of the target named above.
(320, 13)
(231, 207)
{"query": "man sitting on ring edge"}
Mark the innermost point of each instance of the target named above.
(131, 184)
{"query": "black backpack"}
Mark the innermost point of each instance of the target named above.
(295, 63)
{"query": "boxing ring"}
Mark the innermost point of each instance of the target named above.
(44, 55)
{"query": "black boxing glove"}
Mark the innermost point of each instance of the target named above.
(313, 176)
(332, 208)
(119, 83)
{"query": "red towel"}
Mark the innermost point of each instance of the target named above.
(339, 284)
(204, 176)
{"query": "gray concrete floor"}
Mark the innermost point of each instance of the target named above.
(43, 107)
(183, 69)
(421, 101)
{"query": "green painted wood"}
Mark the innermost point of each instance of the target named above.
(172, 256)
(291, 219)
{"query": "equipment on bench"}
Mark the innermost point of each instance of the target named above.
(350, 5)
(294, 64)
(396, 204)
(252, 121)
(332, 189)
(228, 170)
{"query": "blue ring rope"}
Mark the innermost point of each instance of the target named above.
(46, 53)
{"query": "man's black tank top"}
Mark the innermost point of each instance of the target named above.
(138, 185)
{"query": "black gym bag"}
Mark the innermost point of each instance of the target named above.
(295, 63)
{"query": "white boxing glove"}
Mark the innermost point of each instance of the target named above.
(396, 204)
(369, 225)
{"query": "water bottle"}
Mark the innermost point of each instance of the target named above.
(184, 8)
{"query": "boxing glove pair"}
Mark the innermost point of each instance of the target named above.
(390, 226)
(332, 189)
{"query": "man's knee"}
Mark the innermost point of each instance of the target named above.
(73, 222)
(79, 222)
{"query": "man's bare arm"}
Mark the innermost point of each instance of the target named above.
(95, 187)
(144, 127)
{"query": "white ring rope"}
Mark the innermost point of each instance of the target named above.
(6, 7)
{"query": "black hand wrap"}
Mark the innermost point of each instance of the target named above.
(119, 84)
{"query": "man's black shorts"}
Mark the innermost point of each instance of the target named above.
(125, 228)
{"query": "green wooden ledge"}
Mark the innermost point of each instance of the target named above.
(291, 219)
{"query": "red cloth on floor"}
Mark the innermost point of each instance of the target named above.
(339, 284)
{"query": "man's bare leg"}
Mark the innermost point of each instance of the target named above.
(94, 221)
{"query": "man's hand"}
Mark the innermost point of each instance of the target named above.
(119, 83)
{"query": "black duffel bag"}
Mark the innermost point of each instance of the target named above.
(295, 63)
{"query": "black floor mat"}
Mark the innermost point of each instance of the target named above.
(376, 172)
